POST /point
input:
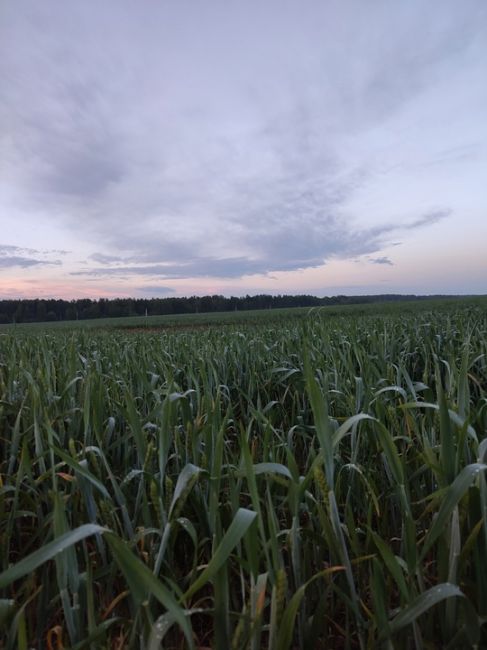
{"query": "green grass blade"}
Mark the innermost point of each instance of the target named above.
(453, 495)
(48, 552)
(142, 582)
(422, 604)
(239, 526)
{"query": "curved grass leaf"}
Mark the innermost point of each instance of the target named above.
(239, 526)
(345, 428)
(453, 495)
(269, 468)
(48, 552)
(162, 626)
(79, 469)
(392, 564)
(186, 480)
(287, 625)
(422, 604)
(143, 582)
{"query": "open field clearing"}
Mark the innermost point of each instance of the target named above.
(299, 480)
(251, 316)
(173, 321)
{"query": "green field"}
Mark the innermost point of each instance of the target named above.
(278, 479)
(255, 317)
(168, 322)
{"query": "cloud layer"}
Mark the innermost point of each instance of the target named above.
(14, 256)
(289, 249)
(222, 141)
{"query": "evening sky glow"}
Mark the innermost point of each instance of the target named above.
(324, 147)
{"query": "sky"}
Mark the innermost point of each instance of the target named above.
(151, 149)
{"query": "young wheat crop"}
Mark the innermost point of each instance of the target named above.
(313, 483)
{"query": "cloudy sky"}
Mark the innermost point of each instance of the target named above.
(173, 148)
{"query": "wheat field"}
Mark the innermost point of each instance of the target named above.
(313, 482)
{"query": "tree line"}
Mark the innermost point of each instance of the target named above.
(41, 310)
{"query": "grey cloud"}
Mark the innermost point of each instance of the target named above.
(16, 256)
(158, 290)
(431, 218)
(7, 249)
(198, 267)
(100, 258)
(82, 173)
(179, 153)
(381, 260)
(24, 262)
(381, 233)
(297, 237)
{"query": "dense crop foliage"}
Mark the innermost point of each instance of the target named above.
(314, 483)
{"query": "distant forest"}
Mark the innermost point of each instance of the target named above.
(40, 310)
